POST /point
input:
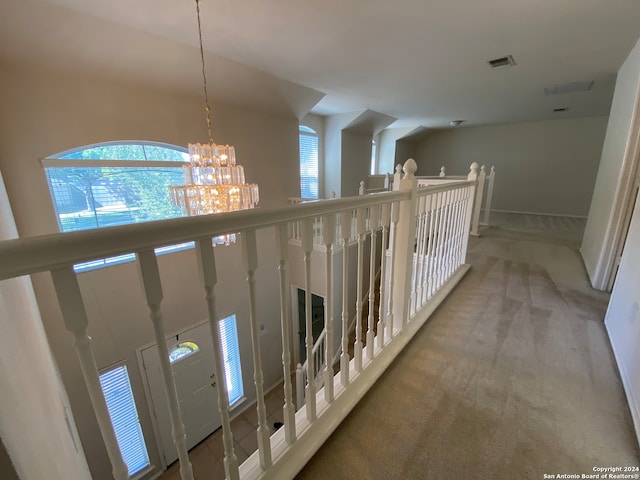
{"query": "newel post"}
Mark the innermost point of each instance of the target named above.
(477, 204)
(403, 248)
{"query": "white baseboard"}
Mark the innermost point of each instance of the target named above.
(570, 215)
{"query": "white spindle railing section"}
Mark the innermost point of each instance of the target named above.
(423, 236)
(318, 364)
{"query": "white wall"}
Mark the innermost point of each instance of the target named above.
(406, 149)
(33, 403)
(623, 320)
(614, 174)
(46, 111)
(542, 167)
(387, 148)
(356, 161)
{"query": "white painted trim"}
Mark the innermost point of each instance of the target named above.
(568, 215)
(288, 460)
(622, 204)
(634, 407)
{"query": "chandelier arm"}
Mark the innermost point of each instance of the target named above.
(204, 75)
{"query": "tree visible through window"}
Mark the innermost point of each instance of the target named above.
(114, 184)
(308, 162)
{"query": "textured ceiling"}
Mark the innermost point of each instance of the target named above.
(420, 61)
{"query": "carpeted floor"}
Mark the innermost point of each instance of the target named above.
(512, 378)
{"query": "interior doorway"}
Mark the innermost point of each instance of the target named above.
(317, 320)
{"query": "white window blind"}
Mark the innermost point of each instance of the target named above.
(231, 356)
(308, 162)
(124, 418)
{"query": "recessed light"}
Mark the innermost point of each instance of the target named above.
(455, 123)
(507, 61)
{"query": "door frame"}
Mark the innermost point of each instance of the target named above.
(620, 216)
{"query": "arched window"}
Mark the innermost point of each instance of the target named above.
(182, 350)
(114, 183)
(308, 162)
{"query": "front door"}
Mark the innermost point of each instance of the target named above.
(191, 354)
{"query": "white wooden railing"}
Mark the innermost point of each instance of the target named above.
(424, 233)
(318, 360)
(484, 194)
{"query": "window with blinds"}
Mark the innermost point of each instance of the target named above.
(231, 357)
(115, 183)
(308, 162)
(373, 157)
(124, 418)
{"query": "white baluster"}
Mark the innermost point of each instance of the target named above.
(300, 383)
(75, 320)
(374, 220)
(487, 204)
(150, 275)
(419, 256)
(384, 220)
(208, 277)
(345, 220)
(310, 386)
(357, 347)
(250, 257)
(425, 249)
(288, 409)
(452, 232)
(447, 236)
(438, 244)
(393, 241)
(433, 205)
(403, 250)
(442, 238)
(328, 237)
(459, 226)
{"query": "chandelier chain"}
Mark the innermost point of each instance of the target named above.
(204, 75)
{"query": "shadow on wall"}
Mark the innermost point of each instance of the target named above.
(7, 472)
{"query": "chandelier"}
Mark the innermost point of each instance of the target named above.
(213, 181)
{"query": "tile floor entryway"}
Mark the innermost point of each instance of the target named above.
(206, 457)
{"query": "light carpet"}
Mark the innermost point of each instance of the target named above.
(513, 377)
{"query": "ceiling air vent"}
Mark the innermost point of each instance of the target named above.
(563, 109)
(507, 61)
(568, 88)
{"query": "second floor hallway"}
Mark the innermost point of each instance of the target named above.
(512, 377)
